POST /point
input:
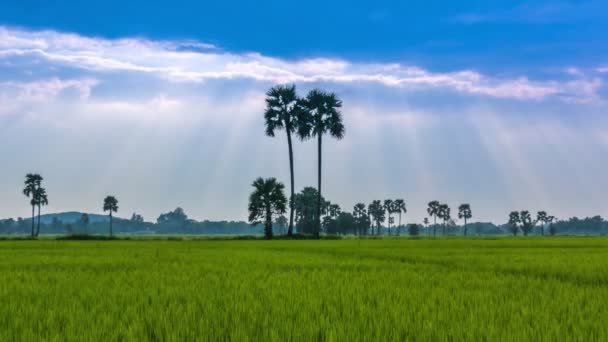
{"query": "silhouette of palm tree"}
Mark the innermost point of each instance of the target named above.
(400, 208)
(321, 115)
(41, 199)
(282, 108)
(110, 203)
(464, 212)
(433, 211)
(542, 217)
(266, 199)
(32, 183)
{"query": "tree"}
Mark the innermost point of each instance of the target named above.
(464, 212)
(433, 211)
(376, 211)
(513, 222)
(552, 228)
(283, 109)
(345, 222)
(305, 205)
(425, 222)
(413, 229)
(389, 206)
(32, 183)
(321, 115)
(399, 209)
(444, 214)
(282, 223)
(110, 204)
(268, 198)
(137, 219)
(84, 222)
(542, 217)
(176, 217)
(526, 222)
(41, 199)
(361, 218)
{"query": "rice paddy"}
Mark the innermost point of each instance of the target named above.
(392, 289)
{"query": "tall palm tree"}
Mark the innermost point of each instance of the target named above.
(464, 212)
(400, 208)
(282, 108)
(426, 224)
(444, 213)
(359, 213)
(266, 199)
(41, 199)
(32, 183)
(389, 206)
(433, 211)
(321, 115)
(110, 203)
(514, 220)
(542, 217)
(376, 211)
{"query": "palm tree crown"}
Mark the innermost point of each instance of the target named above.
(266, 199)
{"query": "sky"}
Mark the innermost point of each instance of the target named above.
(500, 104)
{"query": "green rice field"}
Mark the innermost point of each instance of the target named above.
(343, 290)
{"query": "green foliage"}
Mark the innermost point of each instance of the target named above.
(346, 290)
(267, 199)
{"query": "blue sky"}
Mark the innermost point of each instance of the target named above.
(498, 103)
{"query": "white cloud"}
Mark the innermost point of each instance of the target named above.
(45, 90)
(191, 61)
(603, 70)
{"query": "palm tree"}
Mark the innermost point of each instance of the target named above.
(41, 199)
(426, 224)
(390, 209)
(444, 214)
(464, 212)
(526, 222)
(376, 211)
(514, 219)
(359, 213)
(542, 217)
(32, 183)
(266, 199)
(321, 115)
(433, 211)
(399, 208)
(282, 108)
(110, 203)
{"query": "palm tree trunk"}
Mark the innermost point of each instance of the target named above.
(399, 229)
(268, 225)
(33, 219)
(38, 224)
(290, 230)
(318, 228)
(465, 226)
(110, 223)
(434, 225)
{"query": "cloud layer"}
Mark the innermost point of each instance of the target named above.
(188, 61)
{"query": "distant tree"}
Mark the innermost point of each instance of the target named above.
(444, 214)
(41, 199)
(552, 228)
(361, 218)
(413, 229)
(32, 183)
(433, 211)
(389, 206)
(425, 222)
(321, 115)
(268, 198)
(281, 223)
(345, 223)
(84, 222)
(464, 212)
(526, 222)
(176, 217)
(514, 220)
(331, 212)
(376, 211)
(305, 205)
(542, 218)
(283, 110)
(110, 204)
(400, 209)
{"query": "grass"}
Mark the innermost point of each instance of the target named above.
(446, 289)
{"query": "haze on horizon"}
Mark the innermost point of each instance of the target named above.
(502, 106)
